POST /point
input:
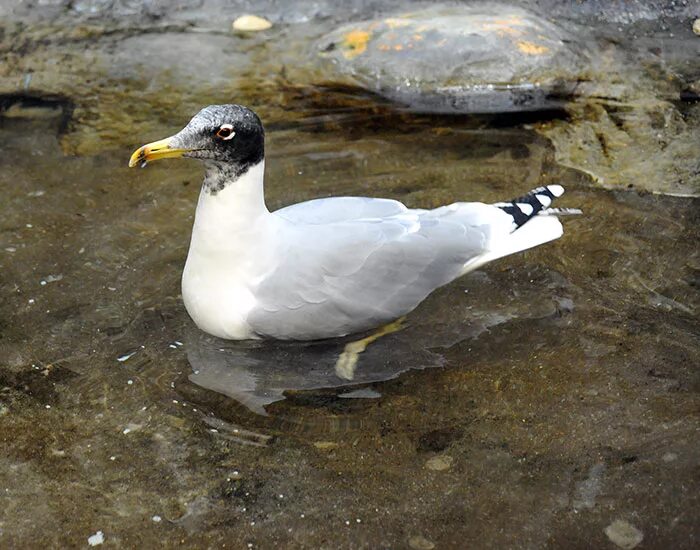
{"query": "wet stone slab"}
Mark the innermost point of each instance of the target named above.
(474, 59)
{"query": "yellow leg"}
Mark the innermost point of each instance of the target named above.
(347, 361)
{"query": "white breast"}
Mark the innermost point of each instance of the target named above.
(230, 251)
(217, 298)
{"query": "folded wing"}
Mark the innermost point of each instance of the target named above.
(350, 264)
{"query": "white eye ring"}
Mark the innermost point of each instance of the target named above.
(226, 127)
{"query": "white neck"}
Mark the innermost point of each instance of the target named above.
(232, 247)
(225, 217)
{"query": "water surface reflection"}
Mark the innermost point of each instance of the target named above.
(259, 373)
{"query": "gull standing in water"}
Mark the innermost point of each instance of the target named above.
(327, 267)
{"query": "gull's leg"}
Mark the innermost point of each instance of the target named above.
(347, 361)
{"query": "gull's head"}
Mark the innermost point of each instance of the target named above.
(230, 136)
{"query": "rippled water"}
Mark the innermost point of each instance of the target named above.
(528, 404)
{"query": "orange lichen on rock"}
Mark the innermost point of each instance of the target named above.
(355, 43)
(396, 22)
(531, 48)
(504, 27)
(513, 20)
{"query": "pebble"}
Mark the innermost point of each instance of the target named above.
(131, 427)
(439, 463)
(669, 457)
(251, 23)
(624, 534)
(696, 27)
(419, 542)
(96, 539)
(325, 445)
(156, 519)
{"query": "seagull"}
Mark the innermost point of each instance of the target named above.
(327, 267)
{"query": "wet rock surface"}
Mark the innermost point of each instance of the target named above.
(550, 399)
(630, 92)
(625, 73)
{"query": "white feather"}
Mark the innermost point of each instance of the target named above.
(537, 231)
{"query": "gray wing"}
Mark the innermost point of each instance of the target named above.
(339, 277)
(338, 209)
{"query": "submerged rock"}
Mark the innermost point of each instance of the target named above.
(588, 490)
(624, 534)
(419, 542)
(476, 59)
(439, 463)
(643, 144)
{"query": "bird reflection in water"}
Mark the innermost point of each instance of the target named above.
(259, 373)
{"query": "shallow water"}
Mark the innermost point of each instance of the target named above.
(529, 404)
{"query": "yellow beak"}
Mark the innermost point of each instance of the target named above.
(155, 151)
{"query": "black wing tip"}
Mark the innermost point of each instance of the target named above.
(524, 208)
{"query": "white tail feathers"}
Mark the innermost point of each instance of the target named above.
(537, 231)
(561, 212)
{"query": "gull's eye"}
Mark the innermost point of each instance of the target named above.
(225, 132)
